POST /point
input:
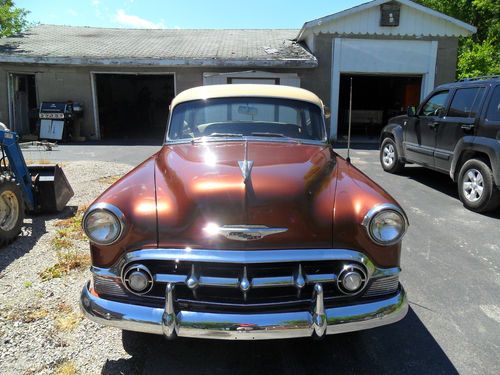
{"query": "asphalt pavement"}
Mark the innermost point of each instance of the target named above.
(451, 271)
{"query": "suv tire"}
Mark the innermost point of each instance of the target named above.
(476, 186)
(389, 158)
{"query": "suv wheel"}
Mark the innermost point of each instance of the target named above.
(389, 158)
(476, 187)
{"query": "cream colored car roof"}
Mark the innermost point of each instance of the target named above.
(246, 90)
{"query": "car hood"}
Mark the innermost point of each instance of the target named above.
(201, 188)
(178, 196)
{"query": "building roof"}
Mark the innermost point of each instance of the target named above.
(364, 19)
(51, 44)
(246, 90)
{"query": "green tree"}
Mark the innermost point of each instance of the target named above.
(12, 19)
(478, 54)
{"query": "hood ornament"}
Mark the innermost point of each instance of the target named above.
(248, 232)
(246, 169)
(246, 165)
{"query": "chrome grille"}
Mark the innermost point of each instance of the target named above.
(109, 286)
(245, 284)
(383, 285)
(271, 280)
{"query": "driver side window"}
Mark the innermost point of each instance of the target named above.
(435, 105)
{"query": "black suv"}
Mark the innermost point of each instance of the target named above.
(455, 130)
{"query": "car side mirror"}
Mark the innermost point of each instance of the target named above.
(327, 111)
(439, 112)
(411, 111)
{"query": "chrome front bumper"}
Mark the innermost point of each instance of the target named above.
(319, 321)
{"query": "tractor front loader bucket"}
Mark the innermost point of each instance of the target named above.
(51, 187)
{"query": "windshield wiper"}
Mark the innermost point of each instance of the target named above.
(269, 134)
(225, 135)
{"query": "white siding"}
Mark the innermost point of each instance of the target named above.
(412, 22)
(385, 57)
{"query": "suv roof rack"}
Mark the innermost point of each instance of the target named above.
(479, 78)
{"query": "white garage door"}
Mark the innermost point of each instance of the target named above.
(387, 57)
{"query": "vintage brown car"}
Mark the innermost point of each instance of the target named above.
(245, 225)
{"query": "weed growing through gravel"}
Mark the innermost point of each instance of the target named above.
(26, 315)
(67, 260)
(108, 180)
(66, 368)
(28, 284)
(66, 319)
(68, 256)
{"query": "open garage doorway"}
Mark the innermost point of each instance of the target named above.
(375, 99)
(133, 106)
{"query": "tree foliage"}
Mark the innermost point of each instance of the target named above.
(478, 54)
(12, 19)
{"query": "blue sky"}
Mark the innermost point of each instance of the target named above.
(213, 14)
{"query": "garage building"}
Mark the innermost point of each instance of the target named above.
(394, 53)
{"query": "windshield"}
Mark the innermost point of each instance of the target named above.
(247, 117)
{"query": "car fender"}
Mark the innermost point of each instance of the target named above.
(488, 146)
(396, 130)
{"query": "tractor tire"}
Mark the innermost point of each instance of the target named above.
(11, 209)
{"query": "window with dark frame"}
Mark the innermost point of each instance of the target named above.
(493, 111)
(466, 102)
(435, 104)
(389, 13)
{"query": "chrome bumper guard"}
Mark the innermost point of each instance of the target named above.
(319, 321)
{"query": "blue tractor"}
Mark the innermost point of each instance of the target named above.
(25, 189)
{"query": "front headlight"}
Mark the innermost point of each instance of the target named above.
(103, 224)
(386, 224)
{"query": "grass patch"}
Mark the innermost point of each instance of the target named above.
(67, 320)
(66, 368)
(25, 315)
(67, 260)
(62, 242)
(109, 180)
(69, 230)
(28, 284)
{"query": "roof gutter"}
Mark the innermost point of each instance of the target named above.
(311, 62)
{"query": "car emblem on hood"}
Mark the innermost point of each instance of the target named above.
(246, 168)
(247, 232)
(246, 165)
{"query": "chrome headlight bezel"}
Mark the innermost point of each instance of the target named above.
(111, 210)
(378, 210)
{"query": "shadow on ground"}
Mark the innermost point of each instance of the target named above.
(33, 229)
(406, 347)
(440, 182)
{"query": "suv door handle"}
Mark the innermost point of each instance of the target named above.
(467, 126)
(433, 125)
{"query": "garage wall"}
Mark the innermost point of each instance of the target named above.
(61, 83)
(319, 79)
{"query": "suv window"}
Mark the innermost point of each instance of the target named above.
(466, 102)
(435, 104)
(493, 112)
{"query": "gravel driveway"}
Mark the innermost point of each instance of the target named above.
(451, 271)
(35, 336)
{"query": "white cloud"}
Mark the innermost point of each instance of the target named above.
(96, 2)
(72, 12)
(130, 20)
